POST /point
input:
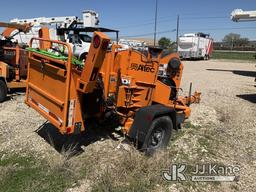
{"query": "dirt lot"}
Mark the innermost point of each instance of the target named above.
(221, 130)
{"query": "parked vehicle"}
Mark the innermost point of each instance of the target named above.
(195, 46)
(80, 43)
(13, 60)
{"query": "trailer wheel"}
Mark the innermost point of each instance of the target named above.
(83, 56)
(206, 57)
(3, 91)
(159, 135)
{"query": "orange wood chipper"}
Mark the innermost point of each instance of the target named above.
(111, 87)
(13, 60)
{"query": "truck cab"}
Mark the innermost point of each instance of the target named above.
(80, 44)
(79, 38)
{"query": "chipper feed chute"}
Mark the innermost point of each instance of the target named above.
(55, 85)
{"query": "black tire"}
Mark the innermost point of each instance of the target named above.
(3, 91)
(159, 135)
(206, 57)
(83, 56)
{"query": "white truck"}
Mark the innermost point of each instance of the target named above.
(79, 42)
(195, 46)
(135, 44)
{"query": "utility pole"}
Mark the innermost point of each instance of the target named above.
(232, 43)
(177, 34)
(155, 22)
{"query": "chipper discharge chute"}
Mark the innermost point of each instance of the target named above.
(112, 87)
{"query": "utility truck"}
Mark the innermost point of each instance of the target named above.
(195, 46)
(80, 43)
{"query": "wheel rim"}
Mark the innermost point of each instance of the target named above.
(156, 137)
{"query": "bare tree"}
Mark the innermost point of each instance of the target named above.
(233, 40)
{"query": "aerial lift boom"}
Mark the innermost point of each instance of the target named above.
(37, 22)
(239, 15)
(90, 19)
(21, 27)
(80, 42)
(10, 27)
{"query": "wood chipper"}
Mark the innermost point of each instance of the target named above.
(110, 87)
(13, 60)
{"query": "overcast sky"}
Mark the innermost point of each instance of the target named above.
(135, 18)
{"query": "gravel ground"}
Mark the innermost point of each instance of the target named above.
(228, 103)
(226, 112)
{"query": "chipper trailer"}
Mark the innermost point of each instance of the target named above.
(13, 60)
(111, 87)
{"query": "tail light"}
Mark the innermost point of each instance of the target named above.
(68, 130)
(96, 41)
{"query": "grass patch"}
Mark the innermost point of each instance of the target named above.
(177, 134)
(235, 187)
(105, 169)
(234, 55)
(110, 183)
(25, 173)
(203, 141)
(123, 171)
(188, 124)
(132, 172)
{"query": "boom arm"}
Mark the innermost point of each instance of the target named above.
(23, 28)
(10, 27)
(239, 15)
(46, 20)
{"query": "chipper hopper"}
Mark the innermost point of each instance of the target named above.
(110, 87)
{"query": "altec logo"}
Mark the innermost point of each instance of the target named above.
(140, 67)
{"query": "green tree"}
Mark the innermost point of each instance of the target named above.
(164, 42)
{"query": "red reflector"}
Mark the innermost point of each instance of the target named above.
(68, 130)
(105, 45)
(96, 41)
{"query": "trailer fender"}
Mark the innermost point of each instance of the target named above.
(144, 117)
(4, 71)
(3, 89)
(2, 79)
